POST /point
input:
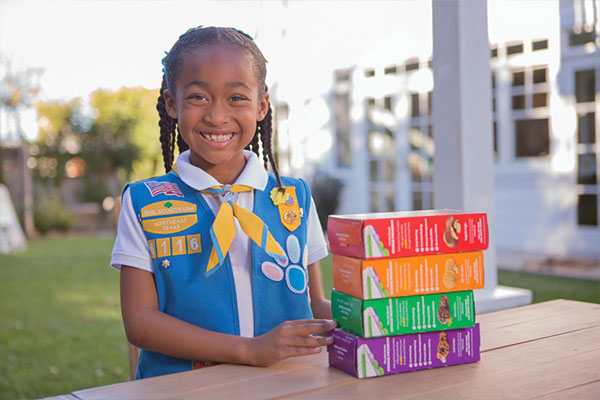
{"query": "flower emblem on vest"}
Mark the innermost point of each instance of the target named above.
(292, 270)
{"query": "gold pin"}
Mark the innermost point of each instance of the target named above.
(166, 263)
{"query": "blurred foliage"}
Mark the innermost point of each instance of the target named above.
(58, 140)
(326, 192)
(116, 134)
(49, 213)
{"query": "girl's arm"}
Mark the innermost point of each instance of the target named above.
(148, 328)
(321, 308)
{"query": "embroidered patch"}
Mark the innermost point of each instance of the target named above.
(165, 208)
(280, 197)
(166, 188)
(170, 224)
(295, 273)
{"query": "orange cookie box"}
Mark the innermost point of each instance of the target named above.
(407, 276)
(407, 233)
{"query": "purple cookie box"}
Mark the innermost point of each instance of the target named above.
(389, 355)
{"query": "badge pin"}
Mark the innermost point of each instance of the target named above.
(290, 217)
(166, 263)
(289, 201)
(279, 197)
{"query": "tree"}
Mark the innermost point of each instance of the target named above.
(18, 91)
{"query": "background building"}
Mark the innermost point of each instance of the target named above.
(372, 129)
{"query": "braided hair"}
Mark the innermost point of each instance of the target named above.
(189, 41)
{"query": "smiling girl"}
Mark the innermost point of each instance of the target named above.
(219, 259)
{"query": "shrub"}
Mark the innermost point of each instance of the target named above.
(49, 214)
(326, 194)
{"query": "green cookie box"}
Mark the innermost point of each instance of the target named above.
(403, 315)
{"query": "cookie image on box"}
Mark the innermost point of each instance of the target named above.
(450, 273)
(452, 231)
(373, 325)
(372, 284)
(373, 245)
(443, 348)
(367, 364)
(443, 312)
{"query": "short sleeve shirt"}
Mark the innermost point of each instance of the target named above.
(131, 247)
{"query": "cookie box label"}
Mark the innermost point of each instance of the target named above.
(402, 315)
(411, 233)
(365, 358)
(407, 276)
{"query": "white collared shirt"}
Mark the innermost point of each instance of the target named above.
(131, 247)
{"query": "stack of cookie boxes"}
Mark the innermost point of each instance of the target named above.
(403, 290)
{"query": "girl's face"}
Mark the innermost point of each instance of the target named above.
(217, 105)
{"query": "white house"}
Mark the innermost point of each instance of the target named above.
(372, 128)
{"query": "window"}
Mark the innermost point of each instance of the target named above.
(342, 76)
(389, 167)
(518, 78)
(586, 169)
(518, 102)
(429, 102)
(495, 130)
(387, 103)
(389, 201)
(494, 52)
(417, 200)
(539, 45)
(412, 66)
(414, 105)
(493, 80)
(374, 202)
(514, 49)
(390, 70)
(586, 128)
(369, 72)
(585, 86)
(373, 170)
(587, 209)
(581, 38)
(540, 99)
(539, 75)
(532, 137)
(342, 129)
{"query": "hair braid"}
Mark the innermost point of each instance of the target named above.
(181, 144)
(266, 135)
(167, 128)
(254, 144)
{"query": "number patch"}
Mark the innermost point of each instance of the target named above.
(176, 245)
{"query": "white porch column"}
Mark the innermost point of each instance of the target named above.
(462, 129)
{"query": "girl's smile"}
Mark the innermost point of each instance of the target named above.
(217, 103)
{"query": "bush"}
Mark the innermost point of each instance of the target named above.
(49, 214)
(326, 193)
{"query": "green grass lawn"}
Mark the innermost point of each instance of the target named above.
(60, 321)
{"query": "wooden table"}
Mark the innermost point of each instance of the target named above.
(548, 350)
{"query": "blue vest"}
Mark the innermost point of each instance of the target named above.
(176, 221)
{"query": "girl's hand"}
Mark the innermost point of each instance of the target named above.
(291, 339)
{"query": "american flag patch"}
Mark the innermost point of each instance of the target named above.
(167, 188)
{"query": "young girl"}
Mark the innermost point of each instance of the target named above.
(219, 260)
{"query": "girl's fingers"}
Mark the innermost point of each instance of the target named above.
(309, 341)
(293, 351)
(310, 327)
